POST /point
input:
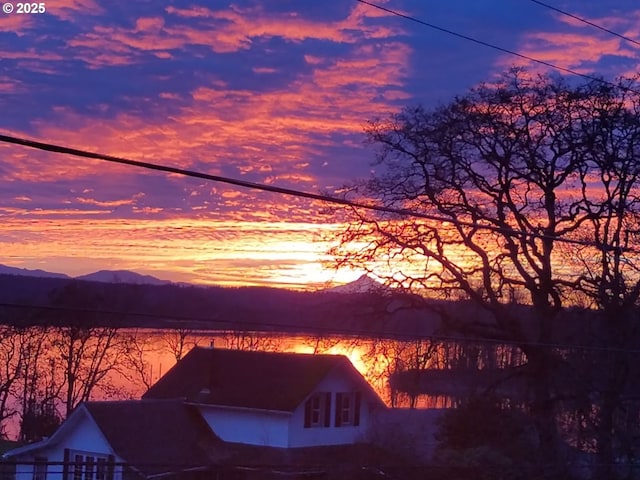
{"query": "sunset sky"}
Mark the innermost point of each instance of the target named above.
(273, 92)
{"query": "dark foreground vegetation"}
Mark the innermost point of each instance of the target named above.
(524, 189)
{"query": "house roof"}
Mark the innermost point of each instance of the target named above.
(156, 436)
(152, 436)
(250, 379)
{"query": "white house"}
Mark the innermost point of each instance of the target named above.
(120, 440)
(214, 408)
(273, 399)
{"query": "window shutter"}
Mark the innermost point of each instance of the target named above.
(356, 411)
(65, 464)
(338, 409)
(307, 414)
(327, 409)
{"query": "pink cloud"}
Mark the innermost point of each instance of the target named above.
(243, 127)
(382, 64)
(264, 70)
(626, 24)
(242, 25)
(149, 24)
(29, 54)
(16, 23)
(70, 9)
(223, 31)
(9, 85)
(581, 46)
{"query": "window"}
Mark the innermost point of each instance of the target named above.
(40, 468)
(90, 467)
(347, 409)
(78, 463)
(317, 410)
(101, 469)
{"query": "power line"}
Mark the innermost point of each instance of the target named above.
(287, 329)
(583, 20)
(282, 467)
(496, 47)
(512, 232)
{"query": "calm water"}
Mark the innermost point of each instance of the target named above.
(61, 367)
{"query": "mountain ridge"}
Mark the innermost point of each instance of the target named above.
(364, 284)
(122, 276)
(25, 272)
(104, 276)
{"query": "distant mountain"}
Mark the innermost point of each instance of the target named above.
(364, 284)
(122, 276)
(25, 272)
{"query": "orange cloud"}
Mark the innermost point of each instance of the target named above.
(108, 203)
(193, 250)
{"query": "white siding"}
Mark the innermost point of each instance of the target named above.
(80, 435)
(276, 429)
(253, 427)
(332, 435)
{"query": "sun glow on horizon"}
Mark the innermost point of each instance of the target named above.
(353, 353)
(208, 252)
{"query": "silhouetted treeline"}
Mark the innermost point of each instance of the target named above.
(51, 301)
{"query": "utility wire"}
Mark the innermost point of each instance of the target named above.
(283, 468)
(496, 47)
(287, 329)
(295, 193)
(583, 20)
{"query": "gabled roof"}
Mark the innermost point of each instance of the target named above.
(152, 436)
(156, 436)
(249, 379)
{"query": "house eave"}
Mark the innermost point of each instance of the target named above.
(53, 439)
(170, 473)
(284, 413)
(35, 446)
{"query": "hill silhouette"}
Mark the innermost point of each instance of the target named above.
(26, 300)
(58, 301)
